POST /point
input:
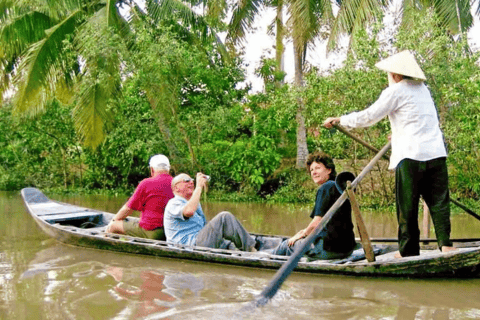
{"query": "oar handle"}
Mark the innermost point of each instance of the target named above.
(354, 137)
(292, 262)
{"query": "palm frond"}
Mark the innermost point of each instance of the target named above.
(38, 69)
(168, 9)
(455, 14)
(6, 67)
(5, 9)
(244, 13)
(216, 11)
(99, 82)
(90, 113)
(185, 22)
(306, 19)
(112, 15)
(354, 14)
(17, 32)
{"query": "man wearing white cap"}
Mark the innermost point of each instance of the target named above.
(418, 149)
(150, 198)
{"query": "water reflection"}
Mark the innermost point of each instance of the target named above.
(40, 278)
(97, 285)
(150, 295)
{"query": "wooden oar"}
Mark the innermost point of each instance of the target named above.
(354, 137)
(292, 262)
(470, 212)
(364, 143)
(378, 240)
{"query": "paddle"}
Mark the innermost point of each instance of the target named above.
(292, 262)
(364, 143)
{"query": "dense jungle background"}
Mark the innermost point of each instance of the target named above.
(171, 95)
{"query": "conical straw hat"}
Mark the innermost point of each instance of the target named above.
(403, 63)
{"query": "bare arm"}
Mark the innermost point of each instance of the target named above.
(124, 212)
(305, 232)
(192, 204)
(116, 224)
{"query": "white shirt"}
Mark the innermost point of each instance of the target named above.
(413, 117)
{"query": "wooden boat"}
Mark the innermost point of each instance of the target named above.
(71, 224)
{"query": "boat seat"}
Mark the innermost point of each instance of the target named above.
(53, 208)
(73, 216)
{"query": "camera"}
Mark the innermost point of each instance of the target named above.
(207, 177)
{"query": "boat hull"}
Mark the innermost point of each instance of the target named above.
(85, 227)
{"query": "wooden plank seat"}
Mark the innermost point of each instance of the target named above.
(84, 216)
(52, 208)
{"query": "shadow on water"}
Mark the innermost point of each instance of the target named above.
(42, 279)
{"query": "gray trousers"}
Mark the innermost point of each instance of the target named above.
(222, 230)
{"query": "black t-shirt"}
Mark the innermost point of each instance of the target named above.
(339, 236)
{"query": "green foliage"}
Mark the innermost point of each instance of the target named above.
(42, 152)
(181, 99)
(247, 158)
(295, 186)
(270, 74)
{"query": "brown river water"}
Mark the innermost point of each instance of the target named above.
(43, 279)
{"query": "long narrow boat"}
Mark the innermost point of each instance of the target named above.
(71, 224)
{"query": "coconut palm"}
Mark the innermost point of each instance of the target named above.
(73, 50)
(454, 15)
(50, 47)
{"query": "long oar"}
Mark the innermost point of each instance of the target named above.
(292, 262)
(470, 212)
(364, 143)
(354, 137)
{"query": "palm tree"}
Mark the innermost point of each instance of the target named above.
(73, 50)
(455, 15)
(50, 47)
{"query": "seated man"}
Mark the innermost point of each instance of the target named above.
(185, 222)
(150, 197)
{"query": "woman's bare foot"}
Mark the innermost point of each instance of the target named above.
(447, 249)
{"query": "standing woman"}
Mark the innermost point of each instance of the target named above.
(337, 240)
(418, 150)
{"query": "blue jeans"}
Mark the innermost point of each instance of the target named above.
(315, 250)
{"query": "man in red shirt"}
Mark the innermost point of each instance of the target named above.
(150, 198)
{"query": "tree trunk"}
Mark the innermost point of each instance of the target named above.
(279, 47)
(302, 149)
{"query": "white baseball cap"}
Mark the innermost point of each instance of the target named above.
(403, 63)
(159, 161)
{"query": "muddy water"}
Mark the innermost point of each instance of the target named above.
(41, 279)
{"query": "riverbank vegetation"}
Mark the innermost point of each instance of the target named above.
(186, 101)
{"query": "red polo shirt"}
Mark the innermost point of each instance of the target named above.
(150, 198)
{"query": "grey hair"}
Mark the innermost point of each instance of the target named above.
(178, 178)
